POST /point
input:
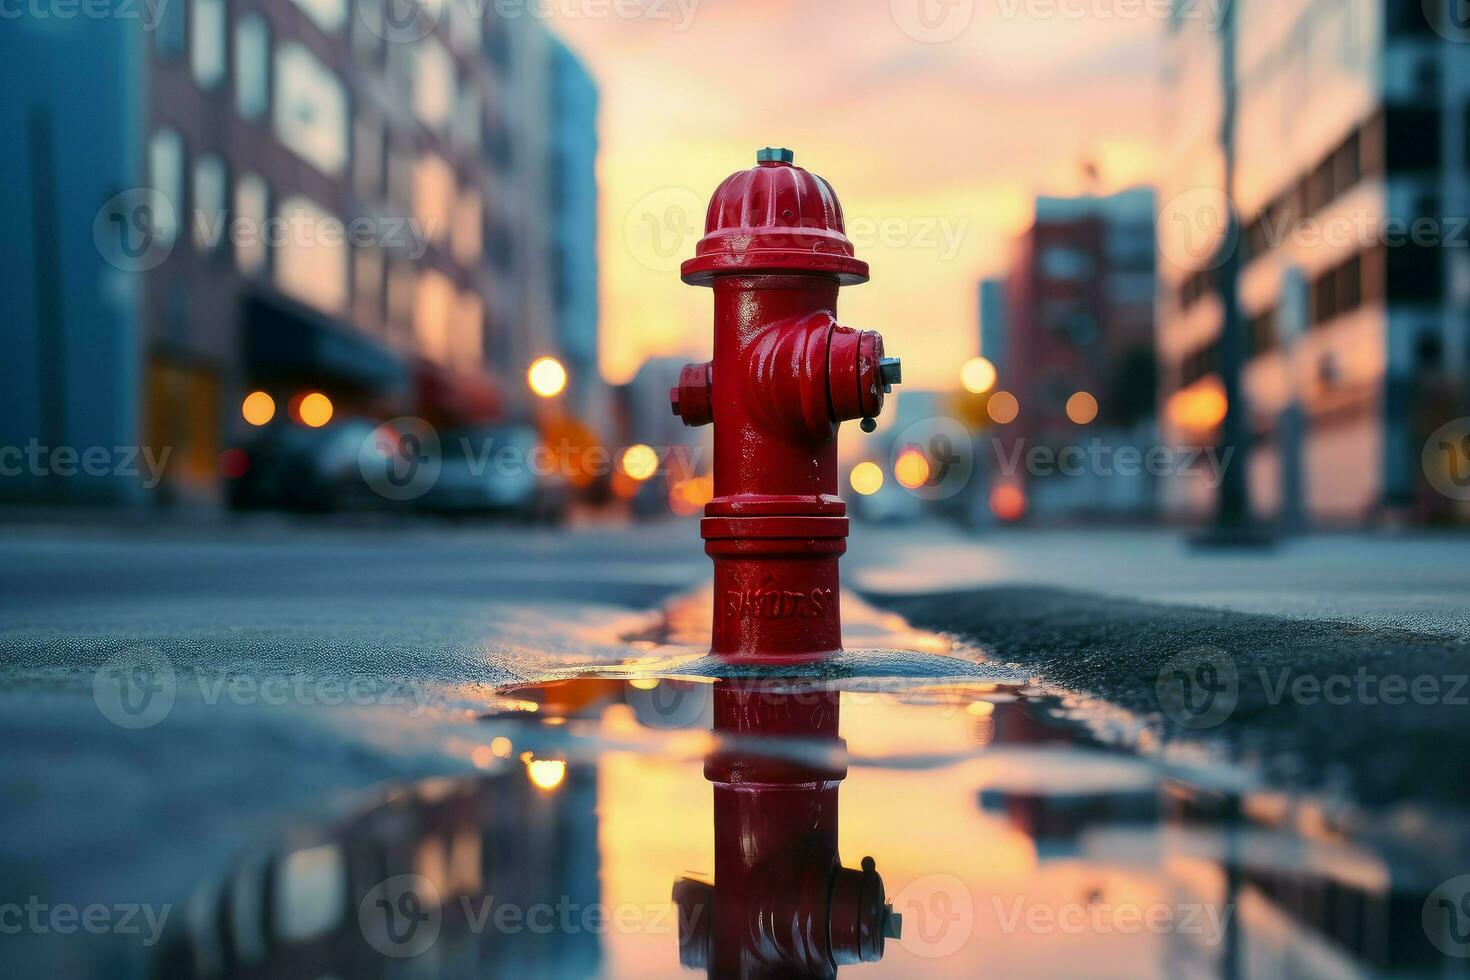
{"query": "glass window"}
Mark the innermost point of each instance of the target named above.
(310, 109)
(433, 313)
(207, 26)
(252, 66)
(467, 240)
(367, 155)
(367, 285)
(252, 208)
(168, 36)
(433, 84)
(468, 352)
(464, 25)
(433, 197)
(329, 15)
(311, 255)
(166, 173)
(467, 112)
(209, 202)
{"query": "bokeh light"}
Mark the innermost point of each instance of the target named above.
(911, 469)
(640, 462)
(1008, 503)
(1003, 408)
(866, 478)
(1082, 408)
(1200, 408)
(978, 375)
(547, 377)
(315, 410)
(233, 464)
(258, 408)
(547, 774)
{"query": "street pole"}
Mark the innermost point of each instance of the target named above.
(1234, 524)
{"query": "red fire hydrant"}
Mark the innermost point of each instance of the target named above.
(784, 376)
(781, 903)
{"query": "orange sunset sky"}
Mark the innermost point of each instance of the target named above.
(937, 121)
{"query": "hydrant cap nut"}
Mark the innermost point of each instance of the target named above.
(771, 219)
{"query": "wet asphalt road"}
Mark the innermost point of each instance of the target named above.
(370, 646)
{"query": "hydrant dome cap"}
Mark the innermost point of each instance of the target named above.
(773, 218)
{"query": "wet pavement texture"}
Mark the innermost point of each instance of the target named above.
(480, 754)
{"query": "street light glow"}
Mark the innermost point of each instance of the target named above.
(1003, 408)
(547, 774)
(866, 478)
(911, 469)
(258, 408)
(1082, 408)
(640, 462)
(315, 410)
(978, 375)
(547, 377)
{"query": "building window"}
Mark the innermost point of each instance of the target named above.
(433, 314)
(469, 332)
(310, 109)
(433, 84)
(168, 36)
(469, 222)
(208, 213)
(367, 155)
(252, 66)
(310, 262)
(1065, 264)
(467, 131)
(252, 208)
(166, 174)
(329, 15)
(434, 196)
(207, 27)
(367, 285)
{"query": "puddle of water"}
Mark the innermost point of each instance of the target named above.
(647, 820)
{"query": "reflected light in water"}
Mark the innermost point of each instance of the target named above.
(547, 774)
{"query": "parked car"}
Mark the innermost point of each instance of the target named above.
(497, 470)
(298, 468)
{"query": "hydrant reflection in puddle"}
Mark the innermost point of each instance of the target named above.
(785, 375)
(781, 904)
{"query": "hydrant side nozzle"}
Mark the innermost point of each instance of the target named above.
(692, 398)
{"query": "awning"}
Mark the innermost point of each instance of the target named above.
(286, 341)
(446, 398)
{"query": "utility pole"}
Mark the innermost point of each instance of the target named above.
(1234, 524)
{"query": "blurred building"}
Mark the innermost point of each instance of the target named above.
(1351, 128)
(993, 321)
(574, 242)
(1078, 348)
(385, 204)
